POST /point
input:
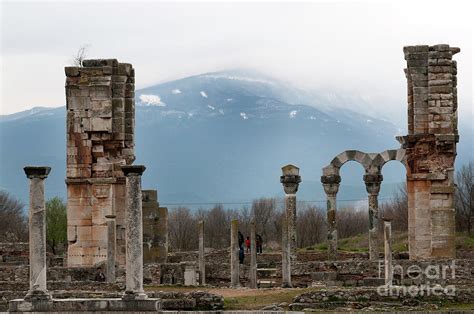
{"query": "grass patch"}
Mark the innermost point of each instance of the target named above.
(464, 241)
(457, 306)
(360, 243)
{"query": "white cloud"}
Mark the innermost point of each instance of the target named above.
(229, 99)
(312, 117)
(221, 111)
(151, 100)
(237, 78)
(244, 115)
(293, 113)
(203, 94)
(175, 91)
(211, 107)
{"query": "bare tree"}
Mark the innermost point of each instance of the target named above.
(80, 56)
(263, 209)
(465, 197)
(310, 225)
(217, 227)
(13, 223)
(183, 229)
(351, 222)
(396, 209)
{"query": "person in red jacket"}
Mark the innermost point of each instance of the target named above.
(247, 244)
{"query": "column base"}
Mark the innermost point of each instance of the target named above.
(38, 295)
(133, 295)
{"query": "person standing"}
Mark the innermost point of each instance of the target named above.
(259, 243)
(247, 244)
(241, 240)
(99, 276)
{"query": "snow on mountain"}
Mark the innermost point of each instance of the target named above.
(217, 137)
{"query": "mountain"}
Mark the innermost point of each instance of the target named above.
(217, 137)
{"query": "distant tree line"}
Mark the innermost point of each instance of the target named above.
(268, 214)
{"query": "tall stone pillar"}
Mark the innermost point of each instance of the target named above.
(290, 179)
(253, 257)
(331, 187)
(431, 150)
(37, 234)
(202, 261)
(234, 254)
(285, 256)
(372, 184)
(100, 104)
(388, 252)
(134, 233)
(111, 236)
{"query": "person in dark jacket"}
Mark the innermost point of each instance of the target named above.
(259, 243)
(99, 276)
(241, 240)
(241, 255)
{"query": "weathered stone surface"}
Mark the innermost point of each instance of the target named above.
(429, 160)
(155, 228)
(253, 257)
(202, 257)
(96, 148)
(134, 233)
(234, 255)
(37, 234)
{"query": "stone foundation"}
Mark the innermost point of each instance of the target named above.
(85, 305)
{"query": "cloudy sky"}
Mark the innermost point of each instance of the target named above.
(345, 47)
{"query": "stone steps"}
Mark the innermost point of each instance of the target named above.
(266, 283)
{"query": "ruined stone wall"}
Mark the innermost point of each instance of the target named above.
(155, 228)
(100, 138)
(431, 149)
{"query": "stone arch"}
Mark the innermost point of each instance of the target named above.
(372, 164)
(352, 155)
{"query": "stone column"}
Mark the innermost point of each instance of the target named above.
(134, 233)
(331, 187)
(387, 231)
(202, 262)
(253, 257)
(285, 256)
(431, 150)
(234, 254)
(372, 184)
(111, 236)
(37, 233)
(290, 179)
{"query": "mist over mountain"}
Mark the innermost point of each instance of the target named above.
(219, 137)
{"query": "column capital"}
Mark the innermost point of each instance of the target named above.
(41, 172)
(133, 170)
(331, 184)
(290, 179)
(372, 183)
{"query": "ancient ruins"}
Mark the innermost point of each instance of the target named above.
(428, 153)
(100, 139)
(113, 223)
